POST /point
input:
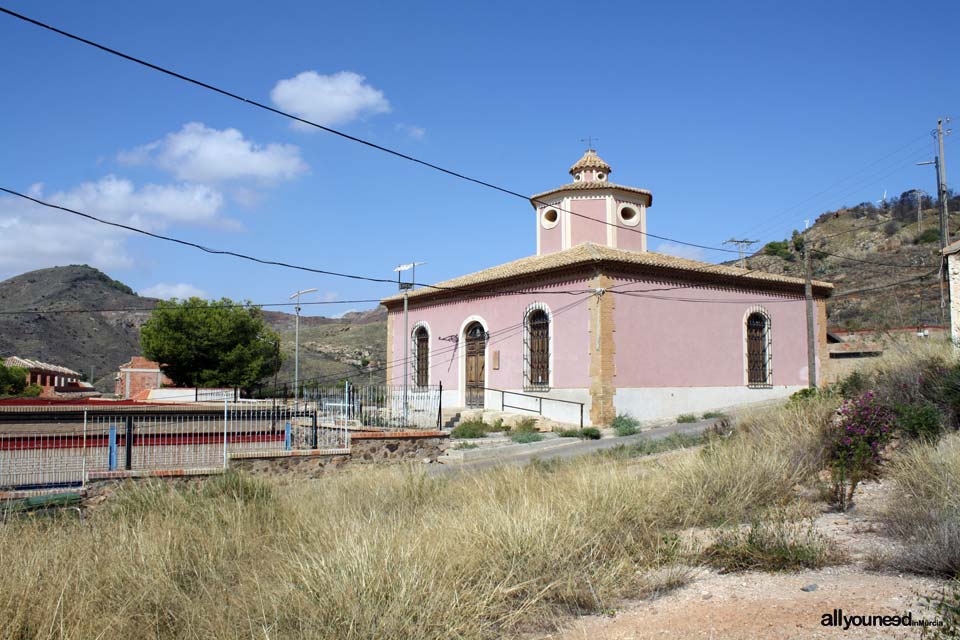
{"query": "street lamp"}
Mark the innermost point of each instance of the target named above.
(405, 287)
(296, 350)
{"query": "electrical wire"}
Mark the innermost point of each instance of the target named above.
(336, 132)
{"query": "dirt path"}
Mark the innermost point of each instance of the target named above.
(764, 605)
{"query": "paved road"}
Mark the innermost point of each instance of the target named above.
(582, 447)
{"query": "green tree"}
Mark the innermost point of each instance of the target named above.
(13, 380)
(201, 343)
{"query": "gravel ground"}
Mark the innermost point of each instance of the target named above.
(765, 605)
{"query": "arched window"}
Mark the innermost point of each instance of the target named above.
(421, 345)
(759, 350)
(537, 350)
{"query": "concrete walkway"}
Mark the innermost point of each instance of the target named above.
(521, 455)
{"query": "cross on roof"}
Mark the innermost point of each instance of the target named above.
(589, 140)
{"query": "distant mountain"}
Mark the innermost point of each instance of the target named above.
(875, 256)
(102, 341)
(81, 341)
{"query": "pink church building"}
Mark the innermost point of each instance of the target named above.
(596, 318)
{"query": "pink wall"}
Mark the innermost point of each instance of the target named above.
(571, 361)
(584, 230)
(626, 236)
(551, 240)
(663, 343)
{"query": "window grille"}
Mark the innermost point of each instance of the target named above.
(759, 350)
(536, 350)
(421, 362)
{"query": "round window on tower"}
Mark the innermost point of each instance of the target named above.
(601, 176)
(577, 177)
(549, 218)
(629, 215)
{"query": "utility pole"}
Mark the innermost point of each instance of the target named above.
(942, 187)
(742, 246)
(405, 287)
(296, 350)
(811, 337)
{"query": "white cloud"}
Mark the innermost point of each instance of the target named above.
(198, 153)
(181, 290)
(681, 251)
(328, 99)
(330, 296)
(411, 130)
(35, 236)
(152, 205)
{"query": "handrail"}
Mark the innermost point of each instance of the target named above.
(540, 399)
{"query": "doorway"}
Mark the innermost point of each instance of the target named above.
(476, 348)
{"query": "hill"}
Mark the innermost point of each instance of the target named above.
(101, 341)
(881, 261)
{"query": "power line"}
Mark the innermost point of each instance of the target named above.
(245, 305)
(243, 256)
(336, 132)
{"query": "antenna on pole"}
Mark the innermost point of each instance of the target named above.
(742, 246)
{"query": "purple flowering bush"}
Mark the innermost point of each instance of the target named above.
(856, 438)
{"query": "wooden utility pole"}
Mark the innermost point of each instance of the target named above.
(811, 336)
(942, 188)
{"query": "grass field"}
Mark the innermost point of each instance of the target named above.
(394, 553)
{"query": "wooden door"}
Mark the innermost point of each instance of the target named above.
(476, 347)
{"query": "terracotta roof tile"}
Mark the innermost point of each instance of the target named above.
(590, 160)
(26, 363)
(595, 184)
(588, 252)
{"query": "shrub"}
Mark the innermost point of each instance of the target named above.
(471, 429)
(927, 235)
(921, 421)
(853, 386)
(524, 437)
(862, 428)
(568, 433)
(923, 509)
(32, 391)
(946, 606)
(780, 249)
(466, 445)
(527, 425)
(714, 415)
(773, 542)
(590, 433)
(498, 426)
(625, 424)
(686, 417)
(804, 394)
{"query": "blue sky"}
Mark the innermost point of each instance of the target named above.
(736, 115)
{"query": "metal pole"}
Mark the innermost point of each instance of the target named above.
(83, 473)
(406, 358)
(440, 407)
(811, 338)
(296, 357)
(224, 432)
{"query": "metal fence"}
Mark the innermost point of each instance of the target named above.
(66, 454)
(383, 406)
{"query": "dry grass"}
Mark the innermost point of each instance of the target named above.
(391, 552)
(924, 508)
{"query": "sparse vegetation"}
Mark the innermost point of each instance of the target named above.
(649, 447)
(525, 437)
(714, 415)
(926, 236)
(773, 541)
(625, 425)
(924, 509)
(587, 433)
(686, 418)
(470, 429)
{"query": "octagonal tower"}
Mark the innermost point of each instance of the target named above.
(591, 209)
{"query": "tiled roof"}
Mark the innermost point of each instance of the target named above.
(26, 363)
(590, 160)
(588, 252)
(596, 184)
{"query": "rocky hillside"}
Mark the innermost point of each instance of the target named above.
(103, 340)
(886, 258)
